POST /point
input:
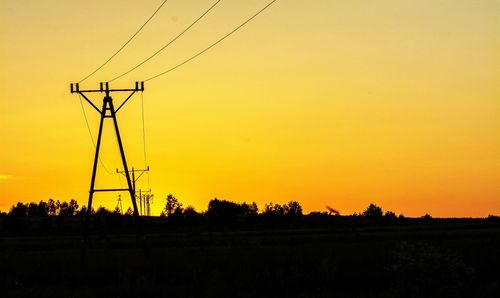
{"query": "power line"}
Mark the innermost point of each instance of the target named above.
(214, 44)
(143, 130)
(144, 137)
(124, 45)
(168, 44)
(91, 136)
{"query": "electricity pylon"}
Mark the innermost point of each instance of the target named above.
(119, 205)
(108, 111)
(145, 201)
(134, 180)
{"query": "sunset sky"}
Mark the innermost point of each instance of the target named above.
(338, 103)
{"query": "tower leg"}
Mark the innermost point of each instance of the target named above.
(92, 181)
(139, 234)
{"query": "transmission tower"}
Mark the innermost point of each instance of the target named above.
(119, 205)
(148, 200)
(108, 111)
(145, 201)
(134, 180)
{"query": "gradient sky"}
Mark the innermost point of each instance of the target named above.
(338, 103)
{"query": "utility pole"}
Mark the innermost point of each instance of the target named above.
(134, 180)
(108, 111)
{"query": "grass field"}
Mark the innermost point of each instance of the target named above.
(335, 258)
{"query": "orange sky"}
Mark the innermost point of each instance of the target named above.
(338, 103)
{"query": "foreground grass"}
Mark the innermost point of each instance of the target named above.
(440, 259)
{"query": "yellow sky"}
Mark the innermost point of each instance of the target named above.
(338, 103)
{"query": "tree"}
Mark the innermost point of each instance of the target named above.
(224, 210)
(52, 207)
(129, 212)
(390, 215)
(19, 210)
(290, 209)
(271, 209)
(73, 206)
(190, 211)
(250, 209)
(373, 212)
(39, 209)
(293, 209)
(67, 209)
(427, 216)
(102, 211)
(172, 206)
(190, 215)
(64, 209)
(83, 210)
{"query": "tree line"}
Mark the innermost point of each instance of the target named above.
(218, 210)
(43, 209)
(55, 213)
(224, 210)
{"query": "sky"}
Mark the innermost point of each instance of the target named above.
(338, 103)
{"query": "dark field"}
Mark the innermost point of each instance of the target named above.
(338, 257)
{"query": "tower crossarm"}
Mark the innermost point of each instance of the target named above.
(104, 88)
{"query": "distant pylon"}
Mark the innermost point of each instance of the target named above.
(134, 180)
(119, 205)
(145, 201)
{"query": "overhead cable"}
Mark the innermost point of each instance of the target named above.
(212, 45)
(126, 43)
(143, 130)
(144, 138)
(168, 44)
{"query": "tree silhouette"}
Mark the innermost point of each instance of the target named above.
(273, 210)
(19, 210)
(293, 209)
(250, 209)
(38, 210)
(102, 211)
(390, 215)
(190, 211)
(373, 212)
(73, 207)
(427, 216)
(190, 215)
(129, 212)
(227, 211)
(52, 207)
(82, 211)
(64, 209)
(172, 206)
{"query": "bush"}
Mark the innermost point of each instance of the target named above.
(227, 211)
(373, 212)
